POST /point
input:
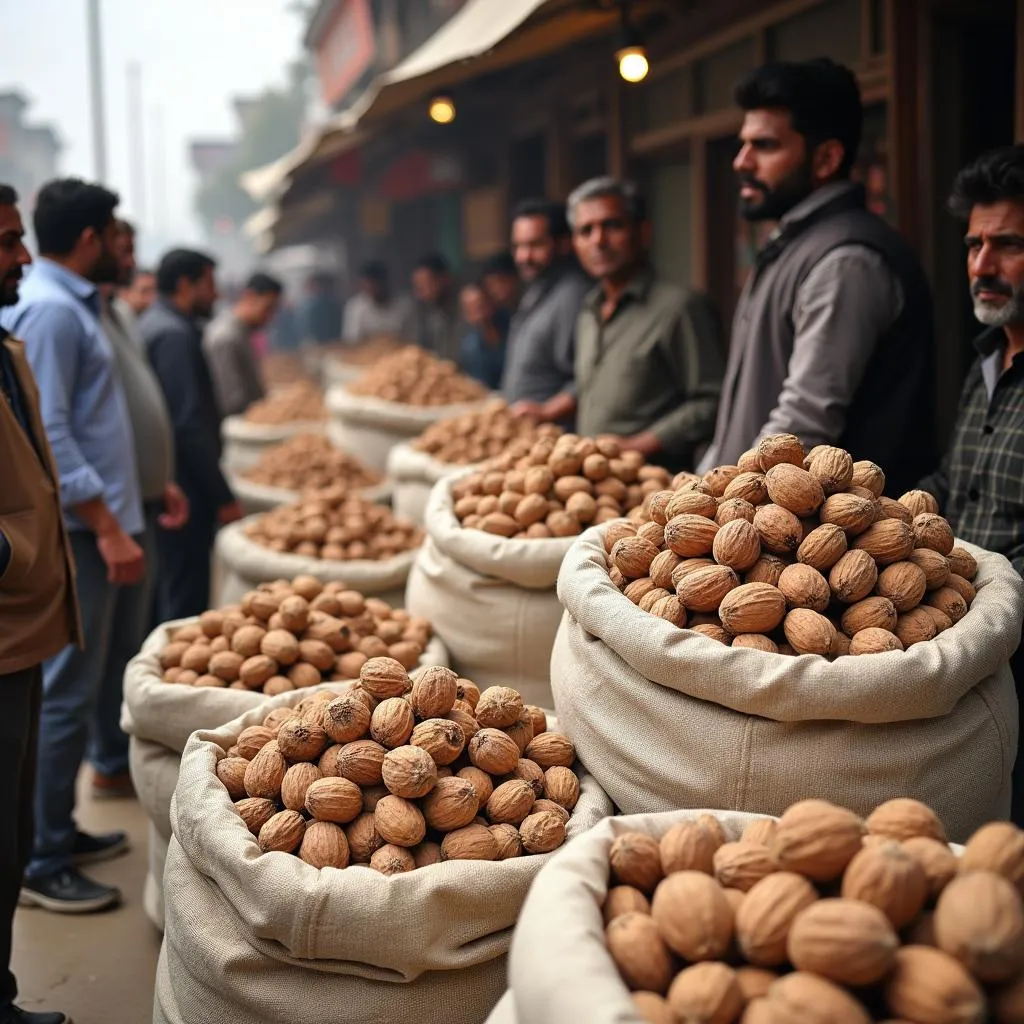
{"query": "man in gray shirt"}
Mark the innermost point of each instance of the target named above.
(541, 341)
(227, 344)
(373, 312)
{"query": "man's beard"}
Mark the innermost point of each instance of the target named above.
(107, 269)
(1009, 313)
(9, 289)
(778, 201)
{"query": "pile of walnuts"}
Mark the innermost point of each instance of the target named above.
(555, 487)
(335, 525)
(363, 353)
(480, 435)
(280, 369)
(412, 376)
(820, 918)
(309, 462)
(794, 553)
(289, 636)
(292, 404)
(397, 775)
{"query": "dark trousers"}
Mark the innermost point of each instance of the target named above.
(183, 584)
(21, 695)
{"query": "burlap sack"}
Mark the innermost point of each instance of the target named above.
(370, 427)
(245, 442)
(413, 475)
(153, 887)
(246, 564)
(335, 371)
(257, 498)
(159, 718)
(666, 718)
(492, 600)
(265, 940)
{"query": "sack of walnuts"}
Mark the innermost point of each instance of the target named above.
(244, 442)
(245, 565)
(413, 475)
(666, 717)
(491, 599)
(255, 497)
(271, 938)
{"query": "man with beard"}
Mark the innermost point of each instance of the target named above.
(832, 338)
(86, 417)
(38, 615)
(186, 291)
(541, 340)
(980, 484)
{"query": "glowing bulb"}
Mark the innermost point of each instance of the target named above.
(633, 64)
(442, 110)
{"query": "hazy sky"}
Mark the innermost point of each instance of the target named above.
(194, 54)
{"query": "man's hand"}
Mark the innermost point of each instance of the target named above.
(527, 410)
(646, 443)
(124, 559)
(229, 513)
(176, 508)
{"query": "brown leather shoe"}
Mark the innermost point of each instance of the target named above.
(112, 787)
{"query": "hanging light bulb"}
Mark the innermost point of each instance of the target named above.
(633, 63)
(442, 110)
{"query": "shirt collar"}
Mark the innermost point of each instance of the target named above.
(636, 290)
(171, 308)
(990, 341)
(70, 281)
(818, 200)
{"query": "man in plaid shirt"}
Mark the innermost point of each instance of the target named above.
(980, 485)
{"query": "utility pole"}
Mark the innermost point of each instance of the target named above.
(99, 128)
(136, 148)
(159, 172)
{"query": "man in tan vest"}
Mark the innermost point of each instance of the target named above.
(38, 610)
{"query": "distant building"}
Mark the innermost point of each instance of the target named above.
(28, 153)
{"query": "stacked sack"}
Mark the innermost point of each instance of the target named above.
(762, 566)
(496, 539)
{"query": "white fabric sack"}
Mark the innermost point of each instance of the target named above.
(245, 442)
(335, 371)
(370, 427)
(491, 599)
(413, 475)
(247, 564)
(270, 940)
(153, 887)
(257, 498)
(666, 718)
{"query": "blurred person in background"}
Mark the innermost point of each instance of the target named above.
(832, 339)
(186, 292)
(228, 345)
(648, 353)
(138, 293)
(163, 504)
(38, 611)
(483, 344)
(501, 282)
(319, 314)
(436, 319)
(87, 420)
(373, 311)
(541, 342)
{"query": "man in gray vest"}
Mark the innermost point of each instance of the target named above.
(832, 338)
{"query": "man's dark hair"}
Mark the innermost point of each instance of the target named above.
(996, 176)
(67, 207)
(263, 284)
(822, 97)
(500, 264)
(434, 262)
(179, 263)
(126, 226)
(552, 212)
(374, 271)
(8, 196)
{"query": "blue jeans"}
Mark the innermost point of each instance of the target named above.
(81, 690)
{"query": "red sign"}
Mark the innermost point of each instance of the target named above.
(419, 173)
(345, 49)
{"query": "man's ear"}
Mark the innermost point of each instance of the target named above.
(828, 158)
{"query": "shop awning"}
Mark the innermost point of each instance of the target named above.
(281, 224)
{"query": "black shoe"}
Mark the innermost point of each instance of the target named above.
(92, 849)
(12, 1015)
(68, 891)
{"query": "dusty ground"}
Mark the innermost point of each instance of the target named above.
(98, 968)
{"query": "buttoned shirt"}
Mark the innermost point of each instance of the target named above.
(364, 318)
(227, 345)
(980, 484)
(655, 365)
(83, 405)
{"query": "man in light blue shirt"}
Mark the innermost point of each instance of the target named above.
(86, 418)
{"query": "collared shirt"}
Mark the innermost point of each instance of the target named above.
(542, 337)
(980, 484)
(484, 360)
(84, 409)
(436, 330)
(365, 319)
(655, 365)
(227, 345)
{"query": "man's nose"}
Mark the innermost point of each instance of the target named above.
(744, 159)
(983, 261)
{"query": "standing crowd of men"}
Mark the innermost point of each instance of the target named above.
(114, 383)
